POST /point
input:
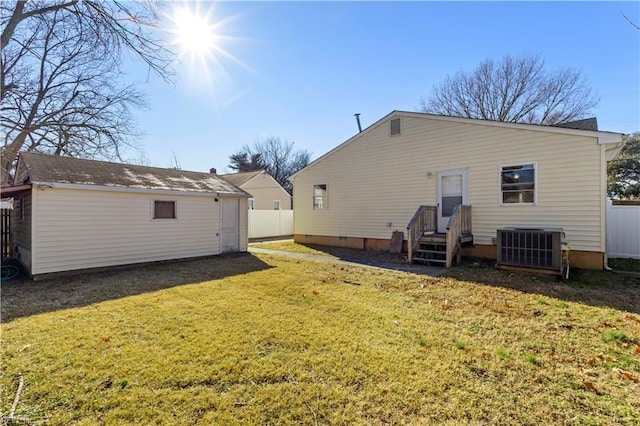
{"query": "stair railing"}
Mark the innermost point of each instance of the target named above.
(425, 219)
(459, 224)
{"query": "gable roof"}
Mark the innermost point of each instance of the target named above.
(239, 179)
(586, 124)
(45, 168)
(602, 136)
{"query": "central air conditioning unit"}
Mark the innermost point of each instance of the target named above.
(538, 248)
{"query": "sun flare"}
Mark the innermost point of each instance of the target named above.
(194, 33)
(198, 34)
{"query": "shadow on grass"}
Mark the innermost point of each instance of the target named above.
(23, 297)
(596, 288)
(378, 259)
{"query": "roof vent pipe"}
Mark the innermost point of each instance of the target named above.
(357, 115)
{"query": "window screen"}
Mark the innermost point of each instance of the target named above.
(164, 209)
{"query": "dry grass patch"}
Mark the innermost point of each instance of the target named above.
(292, 247)
(300, 342)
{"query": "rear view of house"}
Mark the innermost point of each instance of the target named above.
(72, 214)
(425, 175)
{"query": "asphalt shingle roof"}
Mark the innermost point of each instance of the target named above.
(239, 179)
(586, 124)
(53, 168)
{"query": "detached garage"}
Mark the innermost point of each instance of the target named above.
(72, 214)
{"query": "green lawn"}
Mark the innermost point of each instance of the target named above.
(630, 265)
(269, 340)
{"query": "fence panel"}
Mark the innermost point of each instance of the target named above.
(623, 231)
(270, 223)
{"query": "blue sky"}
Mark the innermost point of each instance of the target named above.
(300, 70)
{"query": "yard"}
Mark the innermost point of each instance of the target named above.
(261, 339)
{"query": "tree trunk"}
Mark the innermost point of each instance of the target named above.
(9, 155)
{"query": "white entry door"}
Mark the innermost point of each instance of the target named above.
(229, 224)
(452, 191)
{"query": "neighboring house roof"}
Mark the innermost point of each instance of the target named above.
(239, 179)
(586, 124)
(44, 168)
(602, 136)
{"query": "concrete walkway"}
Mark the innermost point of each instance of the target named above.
(413, 268)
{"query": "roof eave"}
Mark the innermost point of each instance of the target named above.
(10, 191)
(62, 185)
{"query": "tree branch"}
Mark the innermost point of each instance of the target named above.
(630, 21)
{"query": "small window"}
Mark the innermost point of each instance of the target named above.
(252, 204)
(394, 126)
(276, 204)
(517, 184)
(164, 209)
(319, 197)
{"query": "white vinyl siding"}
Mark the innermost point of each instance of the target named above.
(264, 190)
(78, 229)
(376, 179)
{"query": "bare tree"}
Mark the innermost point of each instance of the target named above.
(277, 157)
(633, 24)
(62, 90)
(516, 89)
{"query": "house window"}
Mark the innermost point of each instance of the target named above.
(252, 204)
(394, 126)
(164, 209)
(319, 197)
(517, 184)
(276, 204)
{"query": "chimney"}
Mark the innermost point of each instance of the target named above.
(213, 171)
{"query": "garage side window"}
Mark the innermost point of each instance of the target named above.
(164, 209)
(320, 197)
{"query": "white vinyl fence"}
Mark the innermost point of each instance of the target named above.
(623, 231)
(270, 223)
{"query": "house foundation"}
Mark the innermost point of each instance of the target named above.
(577, 259)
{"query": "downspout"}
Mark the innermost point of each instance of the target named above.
(606, 231)
(603, 175)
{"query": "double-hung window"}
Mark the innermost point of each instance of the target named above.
(320, 197)
(518, 184)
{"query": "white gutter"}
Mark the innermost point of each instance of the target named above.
(88, 187)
